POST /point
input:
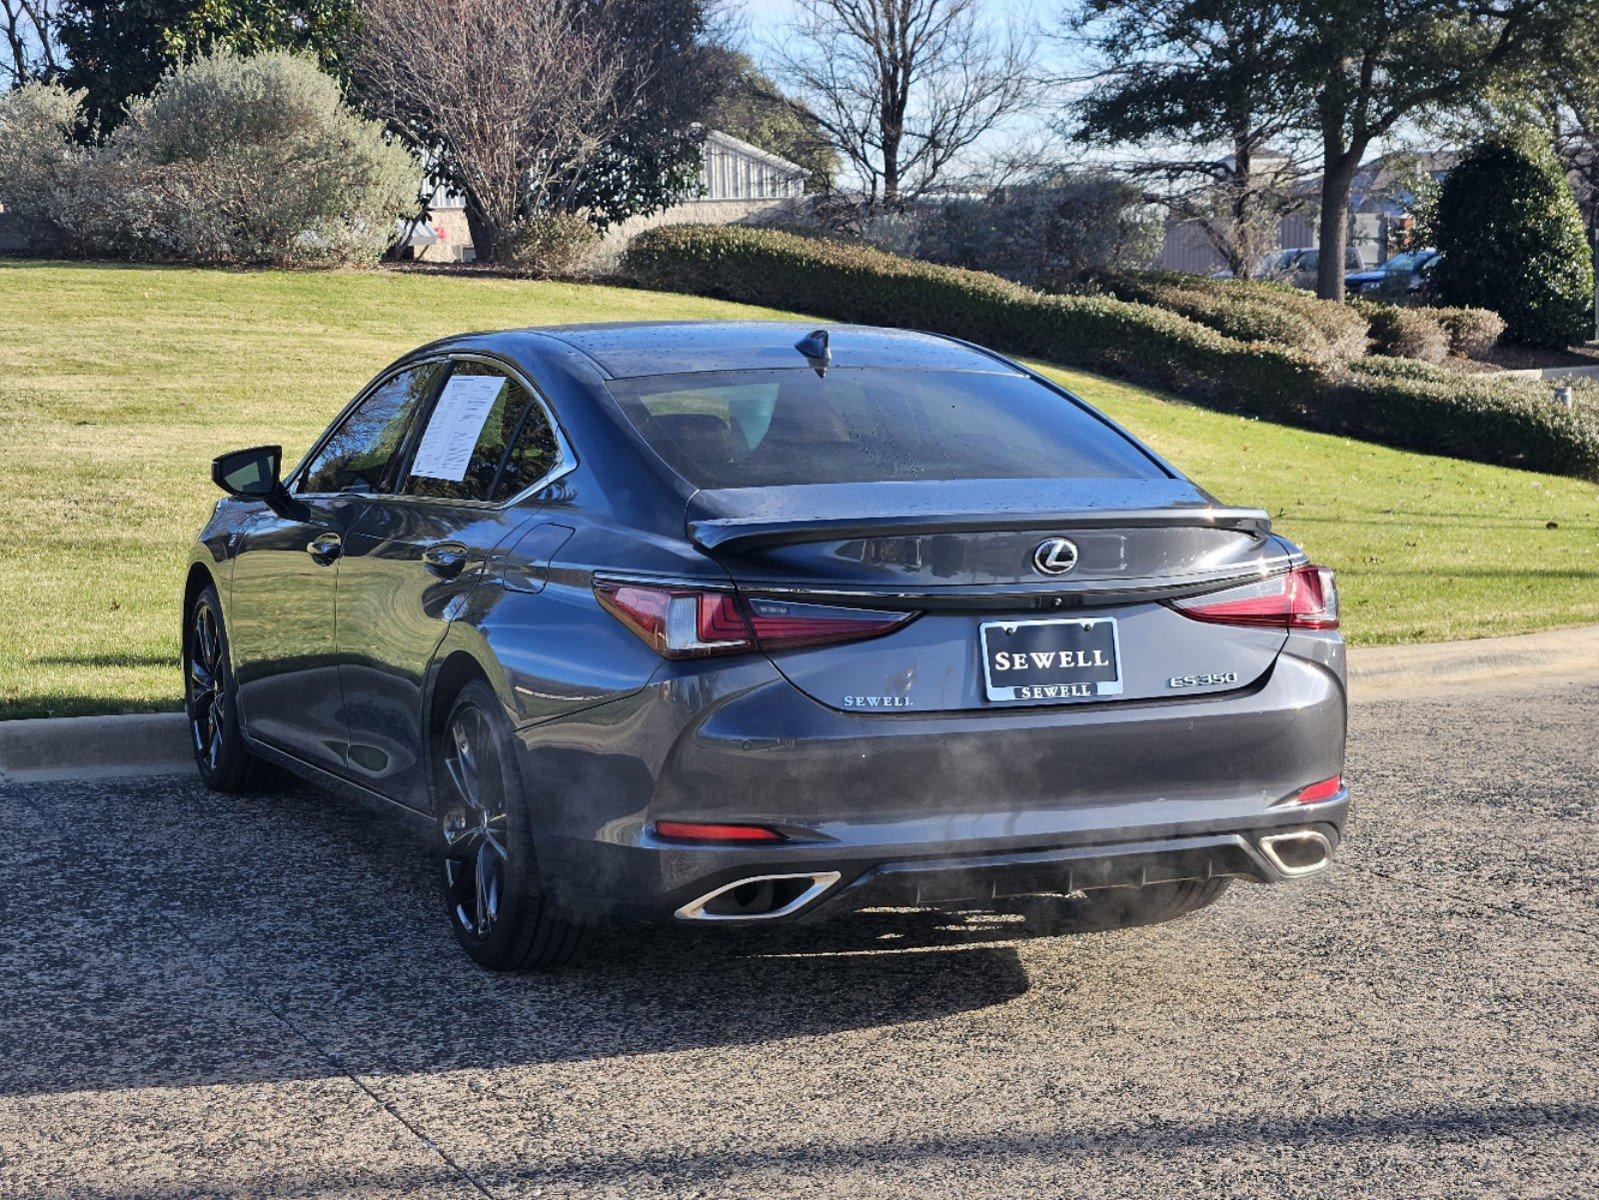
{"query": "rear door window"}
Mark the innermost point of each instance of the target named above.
(460, 450)
(777, 428)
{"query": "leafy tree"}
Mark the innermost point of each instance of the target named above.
(750, 106)
(118, 50)
(1200, 92)
(1373, 64)
(1513, 241)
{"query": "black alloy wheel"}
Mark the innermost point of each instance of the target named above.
(500, 914)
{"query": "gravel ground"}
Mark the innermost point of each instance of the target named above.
(208, 996)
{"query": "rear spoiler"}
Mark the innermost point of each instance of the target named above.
(733, 534)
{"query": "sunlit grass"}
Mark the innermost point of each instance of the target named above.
(119, 384)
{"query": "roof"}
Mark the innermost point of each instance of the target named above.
(739, 146)
(628, 350)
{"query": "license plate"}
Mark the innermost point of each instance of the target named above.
(1044, 661)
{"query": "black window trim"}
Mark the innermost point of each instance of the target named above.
(566, 459)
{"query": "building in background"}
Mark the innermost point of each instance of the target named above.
(738, 183)
(1380, 205)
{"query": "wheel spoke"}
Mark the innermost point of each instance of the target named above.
(480, 879)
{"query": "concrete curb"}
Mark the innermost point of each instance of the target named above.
(55, 748)
(60, 748)
(1442, 668)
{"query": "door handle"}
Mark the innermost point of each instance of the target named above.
(446, 561)
(325, 548)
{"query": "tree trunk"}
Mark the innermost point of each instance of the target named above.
(485, 234)
(1243, 229)
(1338, 177)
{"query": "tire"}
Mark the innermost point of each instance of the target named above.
(1106, 909)
(210, 701)
(499, 912)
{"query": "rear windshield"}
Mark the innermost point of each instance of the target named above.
(776, 428)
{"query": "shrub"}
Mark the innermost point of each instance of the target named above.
(39, 160)
(1247, 314)
(1047, 232)
(1472, 331)
(1404, 332)
(237, 160)
(1401, 403)
(1512, 241)
(553, 244)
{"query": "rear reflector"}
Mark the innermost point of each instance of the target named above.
(1325, 790)
(1304, 598)
(684, 622)
(696, 831)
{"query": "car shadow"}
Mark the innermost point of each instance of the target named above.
(295, 935)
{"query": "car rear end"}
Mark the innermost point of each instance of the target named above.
(959, 638)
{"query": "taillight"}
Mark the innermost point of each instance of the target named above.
(681, 622)
(1304, 598)
(704, 831)
(1325, 790)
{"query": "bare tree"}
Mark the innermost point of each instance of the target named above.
(513, 101)
(33, 50)
(902, 87)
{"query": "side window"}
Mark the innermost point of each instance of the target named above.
(459, 453)
(361, 453)
(533, 454)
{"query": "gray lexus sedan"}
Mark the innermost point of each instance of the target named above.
(728, 623)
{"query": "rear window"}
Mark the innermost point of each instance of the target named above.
(778, 428)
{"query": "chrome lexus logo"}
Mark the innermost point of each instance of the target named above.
(1054, 556)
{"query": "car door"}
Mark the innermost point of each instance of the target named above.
(283, 606)
(413, 555)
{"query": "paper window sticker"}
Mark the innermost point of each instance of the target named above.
(455, 426)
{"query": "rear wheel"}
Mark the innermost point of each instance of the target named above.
(211, 703)
(1105, 909)
(498, 910)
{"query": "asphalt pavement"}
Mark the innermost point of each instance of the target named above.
(211, 996)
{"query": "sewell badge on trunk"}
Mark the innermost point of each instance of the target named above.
(1051, 661)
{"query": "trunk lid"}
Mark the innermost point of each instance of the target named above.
(962, 554)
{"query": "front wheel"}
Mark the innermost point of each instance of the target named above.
(211, 704)
(500, 915)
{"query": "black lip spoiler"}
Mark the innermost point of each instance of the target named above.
(730, 534)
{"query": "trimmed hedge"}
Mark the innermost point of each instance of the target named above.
(1430, 410)
(851, 282)
(1249, 311)
(1404, 332)
(1472, 331)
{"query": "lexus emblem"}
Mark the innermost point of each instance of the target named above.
(1054, 556)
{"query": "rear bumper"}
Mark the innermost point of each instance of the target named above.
(931, 808)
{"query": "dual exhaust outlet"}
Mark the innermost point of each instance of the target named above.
(1293, 854)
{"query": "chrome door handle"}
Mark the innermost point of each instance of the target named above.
(325, 548)
(446, 561)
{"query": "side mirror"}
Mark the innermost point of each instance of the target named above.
(253, 474)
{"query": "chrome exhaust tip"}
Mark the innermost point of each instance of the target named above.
(1302, 852)
(759, 897)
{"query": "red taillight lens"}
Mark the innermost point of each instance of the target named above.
(1325, 790)
(780, 625)
(699, 831)
(1304, 598)
(690, 623)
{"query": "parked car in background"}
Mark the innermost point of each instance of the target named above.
(1298, 265)
(1403, 277)
(730, 623)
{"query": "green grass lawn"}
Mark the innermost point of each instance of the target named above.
(119, 384)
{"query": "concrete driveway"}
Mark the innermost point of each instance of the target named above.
(205, 996)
